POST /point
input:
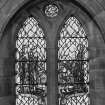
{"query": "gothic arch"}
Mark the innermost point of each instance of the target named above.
(7, 27)
(80, 4)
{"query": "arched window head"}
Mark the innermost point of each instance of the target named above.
(30, 64)
(73, 70)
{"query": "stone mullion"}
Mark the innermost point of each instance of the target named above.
(51, 69)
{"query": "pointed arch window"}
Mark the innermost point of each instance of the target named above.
(31, 78)
(73, 66)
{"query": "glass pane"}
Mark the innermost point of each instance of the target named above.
(31, 78)
(73, 66)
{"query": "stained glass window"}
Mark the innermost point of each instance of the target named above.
(31, 78)
(51, 10)
(73, 66)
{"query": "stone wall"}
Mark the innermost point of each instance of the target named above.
(96, 49)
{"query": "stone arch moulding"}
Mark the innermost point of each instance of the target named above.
(81, 4)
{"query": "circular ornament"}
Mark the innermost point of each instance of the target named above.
(51, 10)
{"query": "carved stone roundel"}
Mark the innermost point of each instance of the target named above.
(51, 10)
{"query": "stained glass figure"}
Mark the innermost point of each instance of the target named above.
(73, 66)
(31, 78)
(51, 10)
